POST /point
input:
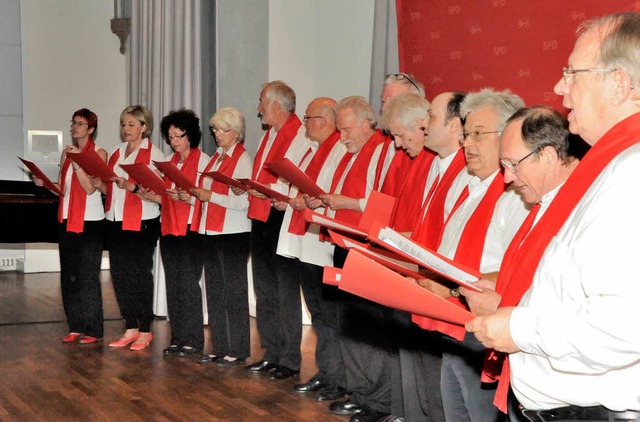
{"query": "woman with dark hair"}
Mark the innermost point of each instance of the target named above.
(180, 247)
(223, 219)
(132, 229)
(80, 235)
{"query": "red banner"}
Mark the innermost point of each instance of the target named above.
(521, 45)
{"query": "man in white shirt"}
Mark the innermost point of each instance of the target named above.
(573, 339)
(477, 233)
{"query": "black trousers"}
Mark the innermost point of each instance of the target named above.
(80, 257)
(182, 258)
(131, 258)
(417, 391)
(323, 306)
(366, 347)
(225, 267)
(278, 304)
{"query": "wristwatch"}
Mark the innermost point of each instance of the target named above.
(454, 292)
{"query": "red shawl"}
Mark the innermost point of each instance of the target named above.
(259, 208)
(77, 196)
(175, 214)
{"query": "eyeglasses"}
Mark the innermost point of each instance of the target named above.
(305, 118)
(177, 137)
(214, 130)
(475, 135)
(568, 72)
(513, 167)
(78, 123)
(401, 77)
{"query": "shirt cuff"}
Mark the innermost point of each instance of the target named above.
(523, 325)
(362, 203)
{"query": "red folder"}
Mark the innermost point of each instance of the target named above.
(265, 190)
(287, 170)
(172, 172)
(378, 210)
(221, 177)
(145, 177)
(368, 279)
(413, 252)
(382, 256)
(331, 223)
(331, 275)
(35, 170)
(93, 165)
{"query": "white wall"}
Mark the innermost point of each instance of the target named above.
(71, 60)
(321, 47)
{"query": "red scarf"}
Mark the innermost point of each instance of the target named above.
(77, 196)
(521, 261)
(428, 231)
(217, 213)
(398, 172)
(132, 213)
(469, 251)
(259, 208)
(175, 214)
(298, 224)
(406, 210)
(355, 183)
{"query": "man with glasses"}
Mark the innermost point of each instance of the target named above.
(480, 226)
(573, 340)
(300, 242)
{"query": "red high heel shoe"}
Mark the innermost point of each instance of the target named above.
(89, 340)
(137, 346)
(71, 337)
(122, 341)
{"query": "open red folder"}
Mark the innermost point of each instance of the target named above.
(93, 165)
(146, 177)
(288, 171)
(221, 177)
(366, 278)
(413, 252)
(385, 257)
(172, 172)
(47, 183)
(265, 190)
(331, 275)
(378, 211)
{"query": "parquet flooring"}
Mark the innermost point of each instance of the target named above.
(42, 379)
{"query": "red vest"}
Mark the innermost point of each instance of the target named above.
(175, 214)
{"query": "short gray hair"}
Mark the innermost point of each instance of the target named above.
(620, 42)
(405, 110)
(229, 118)
(361, 108)
(281, 93)
(543, 126)
(405, 79)
(505, 103)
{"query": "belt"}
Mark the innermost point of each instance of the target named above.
(577, 413)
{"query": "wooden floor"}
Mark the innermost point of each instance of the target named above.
(43, 379)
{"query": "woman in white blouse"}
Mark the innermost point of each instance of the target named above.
(224, 222)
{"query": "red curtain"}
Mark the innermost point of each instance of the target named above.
(471, 44)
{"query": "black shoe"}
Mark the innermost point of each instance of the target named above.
(282, 373)
(225, 362)
(171, 350)
(332, 393)
(260, 366)
(187, 351)
(209, 358)
(312, 385)
(346, 407)
(368, 415)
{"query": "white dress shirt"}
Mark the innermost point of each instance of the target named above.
(577, 325)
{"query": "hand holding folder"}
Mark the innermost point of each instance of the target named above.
(146, 177)
(223, 178)
(265, 190)
(46, 182)
(93, 165)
